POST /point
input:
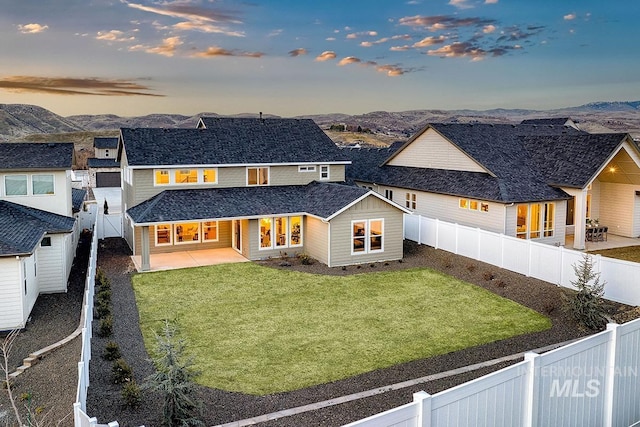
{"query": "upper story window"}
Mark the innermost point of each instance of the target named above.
(324, 171)
(162, 177)
(15, 185)
(258, 176)
(106, 152)
(42, 184)
(210, 176)
(411, 200)
(307, 168)
(388, 194)
(185, 176)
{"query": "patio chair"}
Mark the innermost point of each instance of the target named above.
(589, 235)
(605, 230)
(598, 235)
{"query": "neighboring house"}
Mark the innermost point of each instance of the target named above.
(104, 169)
(263, 187)
(528, 181)
(38, 233)
(553, 121)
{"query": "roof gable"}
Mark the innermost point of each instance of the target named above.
(105, 142)
(228, 141)
(22, 228)
(36, 156)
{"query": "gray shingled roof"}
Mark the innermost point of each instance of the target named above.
(28, 156)
(102, 163)
(105, 142)
(557, 121)
(22, 228)
(77, 198)
(317, 198)
(232, 141)
(522, 172)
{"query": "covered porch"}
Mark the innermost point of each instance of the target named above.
(188, 259)
(612, 241)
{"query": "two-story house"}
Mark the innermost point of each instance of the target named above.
(38, 233)
(264, 187)
(104, 169)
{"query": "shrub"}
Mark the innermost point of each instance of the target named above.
(105, 328)
(131, 394)
(174, 379)
(102, 280)
(103, 309)
(121, 372)
(111, 351)
(305, 259)
(488, 276)
(104, 295)
(586, 304)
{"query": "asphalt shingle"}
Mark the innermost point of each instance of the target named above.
(30, 156)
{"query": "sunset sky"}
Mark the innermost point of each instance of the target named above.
(295, 57)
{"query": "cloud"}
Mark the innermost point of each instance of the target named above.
(488, 29)
(461, 4)
(114, 36)
(275, 33)
(385, 40)
(400, 48)
(444, 22)
(74, 86)
(196, 18)
(330, 39)
(459, 50)
(326, 55)
(297, 52)
(570, 17)
(491, 2)
(214, 51)
(349, 60)
(167, 48)
(391, 70)
(361, 34)
(32, 28)
(430, 41)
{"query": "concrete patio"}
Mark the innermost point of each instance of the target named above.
(188, 259)
(612, 241)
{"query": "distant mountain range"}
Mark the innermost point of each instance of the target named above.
(17, 121)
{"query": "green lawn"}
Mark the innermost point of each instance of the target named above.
(629, 253)
(259, 330)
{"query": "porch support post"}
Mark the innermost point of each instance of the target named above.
(580, 218)
(146, 258)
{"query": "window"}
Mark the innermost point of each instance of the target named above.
(187, 232)
(295, 231)
(257, 176)
(324, 171)
(411, 200)
(186, 176)
(367, 236)
(210, 231)
(42, 184)
(307, 168)
(210, 176)
(265, 233)
(106, 152)
(15, 185)
(46, 241)
(473, 205)
(163, 234)
(535, 220)
(162, 177)
(463, 203)
(484, 207)
(570, 208)
(281, 231)
(388, 194)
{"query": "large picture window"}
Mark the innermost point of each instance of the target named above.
(265, 233)
(15, 185)
(367, 236)
(280, 232)
(258, 176)
(186, 176)
(535, 220)
(187, 232)
(42, 184)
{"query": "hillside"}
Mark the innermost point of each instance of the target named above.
(18, 121)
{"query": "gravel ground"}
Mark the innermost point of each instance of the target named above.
(58, 370)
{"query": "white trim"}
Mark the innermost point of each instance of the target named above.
(367, 237)
(155, 234)
(273, 236)
(364, 196)
(623, 144)
(202, 225)
(306, 168)
(229, 165)
(191, 241)
(53, 182)
(172, 176)
(257, 176)
(4, 187)
(328, 171)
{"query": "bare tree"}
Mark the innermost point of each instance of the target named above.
(5, 351)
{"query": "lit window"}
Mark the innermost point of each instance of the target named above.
(484, 207)
(265, 233)
(411, 200)
(535, 220)
(186, 176)
(473, 205)
(295, 231)
(187, 232)
(210, 231)
(42, 184)
(281, 231)
(15, 185)
(367, 236)
(534, 216)
(324, 171)
(549, 215)
(210, 176)
(463, 203)
(257, 176)
(163, 234)
(162, 177)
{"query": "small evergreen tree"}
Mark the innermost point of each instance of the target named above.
(174, 379)
(587, 305)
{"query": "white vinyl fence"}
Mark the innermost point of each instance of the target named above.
(553, 264)
(80, 417)
(592, 382)
(109, 225)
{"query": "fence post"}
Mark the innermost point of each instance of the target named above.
(610, 374)
(437, 242)
(76, 415)
(457, 227)
(419, 229)
(532, 360)
(423, 400)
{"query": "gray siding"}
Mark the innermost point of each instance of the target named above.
(316, 243)
(559, 223)
(255, 253)
(224, 241)
(619, 208)
(11, 304)
(369, 208)
(52, 264)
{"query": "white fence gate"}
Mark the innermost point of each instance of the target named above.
(553, 264)
(109, 225)
(592, 382)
